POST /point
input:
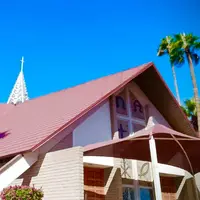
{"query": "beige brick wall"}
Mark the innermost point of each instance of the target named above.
(59, 173)
(188, 191)
(113, 184)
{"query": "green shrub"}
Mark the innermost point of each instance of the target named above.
(21, 193)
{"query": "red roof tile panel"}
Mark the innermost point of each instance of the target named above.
(33, 122)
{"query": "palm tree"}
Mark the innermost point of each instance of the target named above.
(166, 47)
(189, 109)
(186, 46)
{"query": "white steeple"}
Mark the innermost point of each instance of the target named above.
(19, 92)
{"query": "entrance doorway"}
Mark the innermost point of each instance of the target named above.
(168, 187)
(93, 184)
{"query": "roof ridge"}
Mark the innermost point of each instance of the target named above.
(109, 75)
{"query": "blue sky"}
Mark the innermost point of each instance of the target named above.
(68, 42)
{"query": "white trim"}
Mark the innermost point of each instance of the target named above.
(15, 167)
(179, 190)
(129, 111)
(99, 161)
(134, 120)
(155, 172)
(171, 170)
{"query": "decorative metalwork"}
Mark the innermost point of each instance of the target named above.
(144, 170)
(125, 167)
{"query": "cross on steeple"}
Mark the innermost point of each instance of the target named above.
(22, 63)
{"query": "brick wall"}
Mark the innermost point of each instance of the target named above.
(168, 187)
(94, 183)
(113, 184)
(59, 173)
(188, 191)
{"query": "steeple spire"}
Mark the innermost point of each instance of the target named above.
(19, 92)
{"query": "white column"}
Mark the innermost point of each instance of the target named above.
(133, 162)
(135, 178)
(155, 171)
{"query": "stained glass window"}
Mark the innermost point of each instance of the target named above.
(136, 108)
(121, 106)
(131, 114)
(123, 128)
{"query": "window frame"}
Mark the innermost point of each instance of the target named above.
(131, 120)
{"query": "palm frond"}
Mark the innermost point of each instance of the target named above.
(191, 39)
(187, 41)
(195, 58)
(161, 52)
(190, 107)
(178, 42)
(185, 111)
(177, 57)
(197, 45)
(177, 37)
(163, 48)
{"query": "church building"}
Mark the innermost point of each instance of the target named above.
(42, 140)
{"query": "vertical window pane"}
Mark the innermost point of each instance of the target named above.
(123, 128)
(146, 194)
(121, 106)
(136, 108)
(128, 193)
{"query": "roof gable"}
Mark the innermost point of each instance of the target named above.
(32, 123)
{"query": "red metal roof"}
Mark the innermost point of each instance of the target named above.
(33, 122)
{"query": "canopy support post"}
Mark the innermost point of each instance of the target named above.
(155, 171)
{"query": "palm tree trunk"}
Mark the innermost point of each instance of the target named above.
(195, 88)
(176, 84)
